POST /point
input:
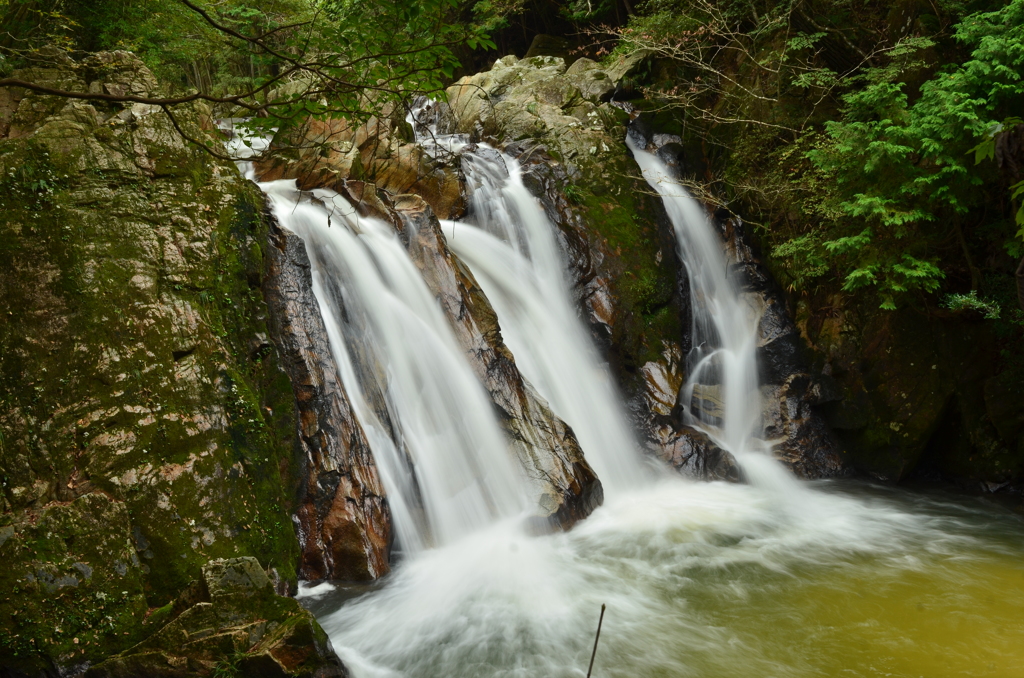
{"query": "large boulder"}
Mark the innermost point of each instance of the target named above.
(134, 353)
(228, 622)
(539, 100)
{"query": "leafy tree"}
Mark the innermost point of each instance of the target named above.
(897, 169)
(280, 62)
(841, 133)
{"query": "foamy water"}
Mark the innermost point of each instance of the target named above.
(709, 579)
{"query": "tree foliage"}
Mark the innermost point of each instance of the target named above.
(276, 62)
(899, 168)
(852, 124)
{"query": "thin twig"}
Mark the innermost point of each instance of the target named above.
(596, 638)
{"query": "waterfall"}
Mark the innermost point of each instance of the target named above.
(699, 578)
(391, 341)
(721, 390)
(511, 247)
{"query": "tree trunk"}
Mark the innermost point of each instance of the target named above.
(1020, 284)
(15, 25)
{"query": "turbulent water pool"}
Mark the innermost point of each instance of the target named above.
(710, 580)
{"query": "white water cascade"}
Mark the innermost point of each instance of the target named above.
(721, 390)
(511, 247)
(379, 312)
(517, 261)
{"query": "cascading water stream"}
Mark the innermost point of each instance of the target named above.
(446, 449)
(511, 247)
(721, 391)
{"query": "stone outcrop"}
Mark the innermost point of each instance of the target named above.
(325, 154)
(540, 100)
(228, 622)
(342, 517)
(147, 424)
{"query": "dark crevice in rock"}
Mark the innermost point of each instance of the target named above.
(181, 355)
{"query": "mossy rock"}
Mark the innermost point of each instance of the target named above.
(135, 364)
(900, 374)
(230, 622)
(72, 584)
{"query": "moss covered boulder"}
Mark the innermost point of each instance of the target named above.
(144, 420)
(230, 622)
(72, 582)
(916, 392)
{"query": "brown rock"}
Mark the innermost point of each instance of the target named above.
(329, 153)
(692, 453)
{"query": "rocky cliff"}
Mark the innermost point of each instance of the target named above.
(146, 423)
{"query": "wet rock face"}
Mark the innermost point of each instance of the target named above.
(568, 488)
(342, 516)
(912, 392)
(229, 622)
(144, 412)
(790, 396)
(693, 453)
(326, 154)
